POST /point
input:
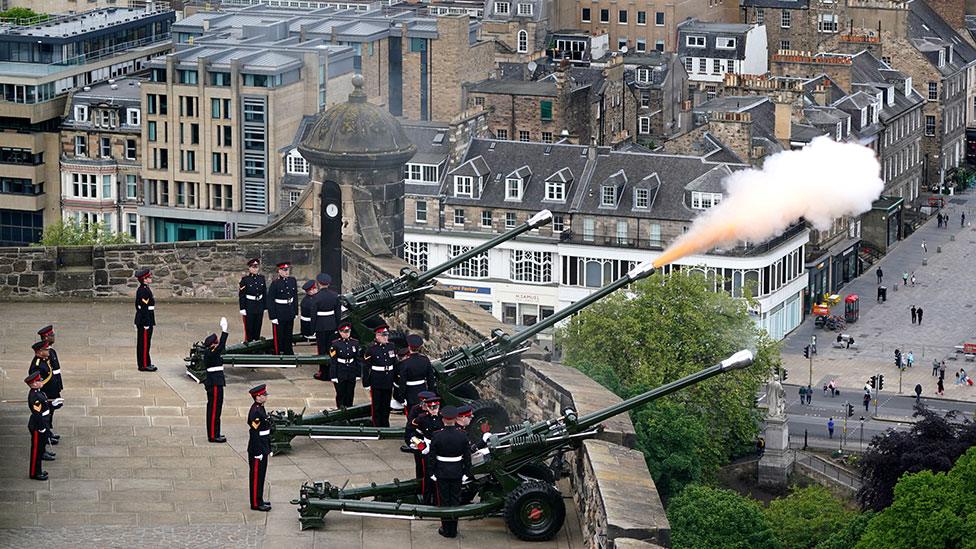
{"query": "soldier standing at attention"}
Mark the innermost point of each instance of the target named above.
(305, 310)
(416, 372)
(214, 381)
(37, 425)
(258, 448)
(379, 371)
(53, 387)
(251, 300)
(450, 464)
(424, 423)
(144, 321)
(325, 312)
(282, 295)
(41, 366)
(346, 353)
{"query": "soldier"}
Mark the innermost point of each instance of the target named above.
(251, 300)
(347, 366)
(422, 423)
(325, 313)
(258, 448)
(37, 425)
(450, 465)
(379, 371)
(465, 415)
(305, 310)
(145, 320)
(282, 304)
(45, 362)
(416, 372)
(214, 382)
(41, 366)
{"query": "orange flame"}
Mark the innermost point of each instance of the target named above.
(702, 238)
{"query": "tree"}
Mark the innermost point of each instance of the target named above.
(702, 516)
(807, 517)
(929, 510)
(848, 536)
(71, 233)
(664, 328)
(933, 443)
(23, 15)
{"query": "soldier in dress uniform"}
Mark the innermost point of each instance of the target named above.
(416, 372)
(465, 415)
(251, 300)
(305, 310)
(347, 365)
(379, 372)
(37, 425)
(282, 306)
(41, 366)
(53, 386)
(325, 313)
(145, 320)
(450, 465)
(423, 421)
(258, 448)
(214, 382)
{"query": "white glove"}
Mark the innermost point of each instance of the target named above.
(271, 454)
(223, 324)
(274, 320)
(147, 327)
(335, 380)
(259, 457)
(426, 449)
(57, 401)
(433, 478)
(243, 312)
(464, 478)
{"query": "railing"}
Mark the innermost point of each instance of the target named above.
(764, 247)
(112, 50)
(828, 470)
(571, 237)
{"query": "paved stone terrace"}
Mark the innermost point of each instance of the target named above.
(134, 467)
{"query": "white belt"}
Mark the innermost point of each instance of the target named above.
(450, 459)
(45, 412)
(325, 313)
(345, 360)
(284, 301)
(151, 307)
(56, 372)
(254, 297)
(381, 369)
(215, 369)
(305, 318)
(264, 433)
(417, 382)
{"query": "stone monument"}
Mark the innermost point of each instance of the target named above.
(776, 463)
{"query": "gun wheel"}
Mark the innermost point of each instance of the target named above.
(534, 511)
(487, 417)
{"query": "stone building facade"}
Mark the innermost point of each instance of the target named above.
(807, 25)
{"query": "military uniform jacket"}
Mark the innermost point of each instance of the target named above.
(43, 367)
(251, 295)
(215, 363)
(259, 426)
(325, 311)
(145, 307)
(283, 299)
(55, 386)
(415, 370)
(305, 315)
(423, 425)
(40, 410)
(450, 454)
(347, 356)
(380, 366)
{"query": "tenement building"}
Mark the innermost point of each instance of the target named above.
(709, 51)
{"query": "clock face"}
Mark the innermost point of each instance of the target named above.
(332, 210)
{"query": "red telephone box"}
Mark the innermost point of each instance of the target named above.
(851, 308)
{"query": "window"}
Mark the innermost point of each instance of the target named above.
(131, 186)
(81, 113)
(476, 267)
(415, 253)
(510, 220)
(501, 8)
(642, 198)
(760, 16)
(717, 66)
(216, 163)
(785, 19)
(784, 44)
(643, 76)
(513, 189)
(695, 41)
(253, 113)
(659, 18)
(187, 76)
(221, 197)
(501, 134)
(545, 110)
(130, 149)
(479, 101)
(659, 45)
(642, 18)
(525, 9)
(297, 164)
(558, 223)
(81, 145)
(459, 216)
(509, 313)
(84, 185)
(622, 232)
(622, 16)
(641, 45)
(929, 125)
(151, 104)
(933, 91)
(547, 137)
(589, 229)
(725, 43)
(523, 41)
(645, 100)
(523, 136)
(191, 161)
(826, 22)
(151, 130)
(608, 195)
(463, 186)
(105, 147)
(702, 65)
(104, 118)
(556, 191)
(180, 193)
(621, 43)
(703, 201)
(420, 215)
(220, 79)
(644, 124)
(486, 218)
(214, 107)
(585, 15)
(688, 61)
(132, 117)
(604, 16)
(531, 266)
(133, 225)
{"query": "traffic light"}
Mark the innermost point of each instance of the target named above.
(880, 381)
(874, 382)
(850, 410)
(806, 352)
(784, 374)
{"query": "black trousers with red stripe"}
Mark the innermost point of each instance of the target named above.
(252, 326)
(37, 448)
(448, 495)
(256, 474)
(281, 333)
(143, 345)
(215, 403)
(380, 406)
(345, 393)
(427, 492)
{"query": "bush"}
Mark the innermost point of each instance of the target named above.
(713, 518)
(807, 517)
(71, 233)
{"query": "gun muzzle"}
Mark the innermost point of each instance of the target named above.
(540, 219)
(740, 360)
(641, 271)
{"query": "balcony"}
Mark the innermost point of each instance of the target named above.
(570, 237)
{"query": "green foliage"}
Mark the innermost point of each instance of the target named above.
(23, 15)
(703, 517)
(665, 328)
(847, 537)
(71, 233)
(807, 516)
(929, 510)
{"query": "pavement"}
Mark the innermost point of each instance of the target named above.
(945, 290)
(134, 467)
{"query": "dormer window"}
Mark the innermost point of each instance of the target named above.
(839, 132)
(463, 186)
(703, 201)
(642, 199)
(725, 43)
(556, 191)
(643, 75)
(875, 113)
(81, 113)
(695, 41)
(864, 116)
(513, 188)
(132, 117)
(608, 196)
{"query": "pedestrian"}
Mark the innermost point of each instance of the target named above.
(962, 220)
(37, 425)
(803, 394)
(283, 308)
(258, 447)
(760, 446)
(914, 314)
(867, 400)
(53, 386)
(880, 274)
(809, 394)
(214, 382)
(833, 388)
(940, 388)
(347, 365)
(904, 278)
(250, 298)
(918, 393)
(942, 369)
(913, 279)
(416, 372)
(919, 316)
(910, 359)
(325, 313)
(938, 219)
(380, 370)
(144, 321)
(935, 367)
(961, 376)
(450, 463)
(925, 248)
(830, 427)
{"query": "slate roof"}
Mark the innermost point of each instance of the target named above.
(303, 127)
(711, 32)
(543, 88)
(869, 70)
(929, 33)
